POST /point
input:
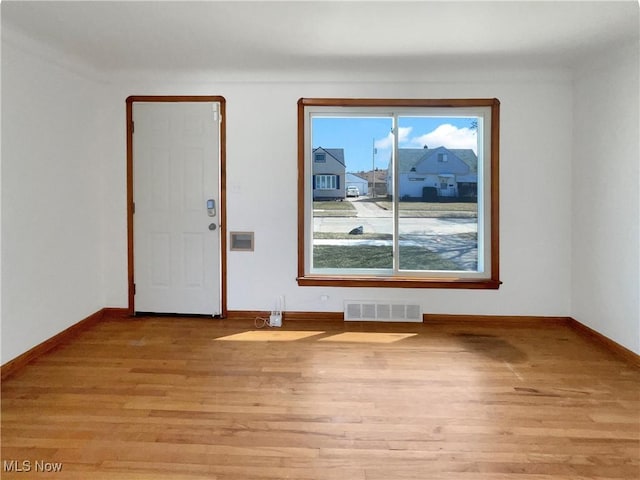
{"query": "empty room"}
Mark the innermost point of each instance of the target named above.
(320, 240)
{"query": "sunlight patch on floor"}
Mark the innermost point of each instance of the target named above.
(293, 335)
(368, 337)
(269, 336)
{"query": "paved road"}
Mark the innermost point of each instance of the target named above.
(413, 226)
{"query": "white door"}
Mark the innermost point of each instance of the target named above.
(176, 156)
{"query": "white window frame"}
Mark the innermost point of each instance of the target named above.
(324, 179)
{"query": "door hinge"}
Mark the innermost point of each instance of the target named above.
(132, 127)
(133, 207)
(134, 288)
(216, 112)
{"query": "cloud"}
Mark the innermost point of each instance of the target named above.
(448, 136)
(385, 143)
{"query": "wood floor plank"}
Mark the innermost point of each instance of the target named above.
(180, 398)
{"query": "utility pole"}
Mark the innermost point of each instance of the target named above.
(373, 167)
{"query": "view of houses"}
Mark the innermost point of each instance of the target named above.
(427, 174)
(329, 173)
(431, 174)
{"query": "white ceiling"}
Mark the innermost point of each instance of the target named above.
(308, 35)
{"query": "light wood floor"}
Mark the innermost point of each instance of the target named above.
(176, 398)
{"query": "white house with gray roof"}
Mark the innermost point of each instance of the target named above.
(328, 173)
(432, 173)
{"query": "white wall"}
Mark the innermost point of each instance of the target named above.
(536, 142)
(606, 209)
(64, 149)
(51, 205)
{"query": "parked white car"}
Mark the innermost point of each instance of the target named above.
(353, 191)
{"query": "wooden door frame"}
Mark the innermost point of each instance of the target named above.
(222, 204)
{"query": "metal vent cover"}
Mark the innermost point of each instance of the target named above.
(384, 311)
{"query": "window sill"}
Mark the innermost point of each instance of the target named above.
(397, 282)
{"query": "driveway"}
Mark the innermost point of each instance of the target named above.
(366, 209)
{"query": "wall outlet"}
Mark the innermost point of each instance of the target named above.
(275, 320)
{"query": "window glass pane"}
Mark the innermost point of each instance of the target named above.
(437, 193)
(352, 223)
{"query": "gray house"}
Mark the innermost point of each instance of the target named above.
(328, 173)
(431, 173)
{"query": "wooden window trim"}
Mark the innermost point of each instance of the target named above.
(493, 282)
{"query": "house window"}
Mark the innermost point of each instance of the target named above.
(326, 182)
(320, 158)
(414, 235)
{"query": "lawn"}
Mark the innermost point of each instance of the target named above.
(333, 209)
(373, 256)
(433, 209)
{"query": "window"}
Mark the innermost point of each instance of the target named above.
(439, 229)
(326, 182)
(320, 158)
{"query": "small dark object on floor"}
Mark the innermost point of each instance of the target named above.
(357, 231)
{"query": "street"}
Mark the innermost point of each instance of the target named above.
(411, 226)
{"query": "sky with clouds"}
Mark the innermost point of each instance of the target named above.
(360, 136)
